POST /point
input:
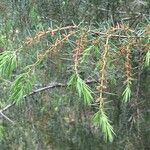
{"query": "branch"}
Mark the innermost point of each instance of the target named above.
(7, 117)
(62, 28)
(50, 86)
(56, 85)
(116, 35)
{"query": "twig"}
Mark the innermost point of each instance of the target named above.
(7, 117)
(116, 35)
(63, 28)
(7, 107)
(50, 86)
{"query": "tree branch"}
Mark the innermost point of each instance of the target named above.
(7, 117)
(48, 87)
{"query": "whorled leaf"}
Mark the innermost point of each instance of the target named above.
(100, 119)
(86, 53)
(127, 92)
(82, 88)
(8, 63)
(147, 58)
(21, 87)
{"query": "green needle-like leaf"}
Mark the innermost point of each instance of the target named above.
(100, 119)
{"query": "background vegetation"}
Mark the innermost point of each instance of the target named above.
(74, 74)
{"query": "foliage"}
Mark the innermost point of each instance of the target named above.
(82, 88)
(21, 87)
(8, 63)
(66, 60)
(101, 120)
